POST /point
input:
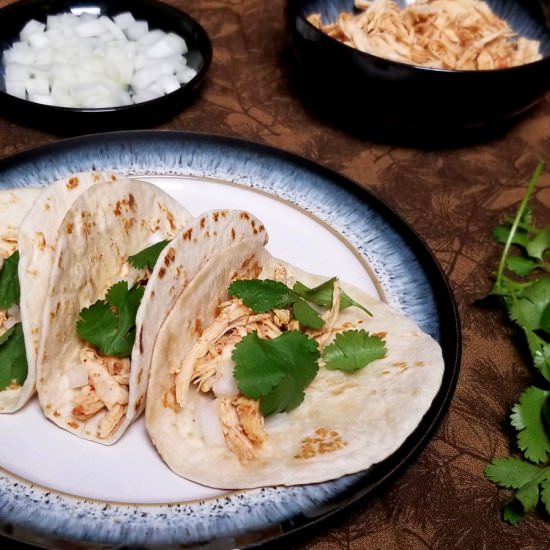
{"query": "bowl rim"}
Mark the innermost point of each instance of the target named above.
(205, 50)
(294, 12)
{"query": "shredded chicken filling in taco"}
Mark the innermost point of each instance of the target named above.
(102, 381)
(211, 366)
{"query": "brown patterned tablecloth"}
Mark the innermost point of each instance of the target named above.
(452, 196)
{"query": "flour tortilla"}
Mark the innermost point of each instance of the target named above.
(190, 250)
(368, 414)
(14, 204)
(104, 226)
(37, 247)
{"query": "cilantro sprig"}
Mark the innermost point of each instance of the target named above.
(13, 359)
(522, 283)
(147, 258)
(110, 324)
(9, 282)
(277, 371)
(262, 295)
(352, 350)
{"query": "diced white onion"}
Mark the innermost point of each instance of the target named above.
(209, 422)
(225, 384)
(91, 61)
(77, 375)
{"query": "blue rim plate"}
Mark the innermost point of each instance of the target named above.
(370, 234)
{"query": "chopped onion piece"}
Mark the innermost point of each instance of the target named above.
(209, 422)
(92, 61)
(77, 375)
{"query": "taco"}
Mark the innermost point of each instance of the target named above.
(265, 375)
(16, 386)
(87, 379)
(38, 213)
(37, 246)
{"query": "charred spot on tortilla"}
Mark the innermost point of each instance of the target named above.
(125, 205)
(169, 399)
(202, 222)
(198, 327)
(69, 228)
(40, 240)
(139, 402)
(128, 223)
(186, 236)
(244, 216)
(324, 441)
(170, 256)
(72, 183)
(141, 341)
(162, 272)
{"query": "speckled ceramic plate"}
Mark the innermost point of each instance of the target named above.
(56, 489)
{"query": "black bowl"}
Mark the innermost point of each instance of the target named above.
(366, 90)
(71, 121)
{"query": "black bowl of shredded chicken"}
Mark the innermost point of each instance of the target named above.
(426, 67)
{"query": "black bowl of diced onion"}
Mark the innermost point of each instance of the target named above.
(80, 66)
(349, 81)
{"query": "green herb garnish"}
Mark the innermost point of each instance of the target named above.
(352, 350)
(147, 258)
(321, 295)
(262, 295)
(9, 282)
(275, 371)
(110, 324)
(522, 283)
(13, 359)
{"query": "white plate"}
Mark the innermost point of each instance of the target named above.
(55, 486)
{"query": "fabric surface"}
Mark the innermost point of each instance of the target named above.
(453, 196)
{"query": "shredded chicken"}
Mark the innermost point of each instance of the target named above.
(234, 434)
(448, 34)
(250, 418)
(107, 388)
(241, 419)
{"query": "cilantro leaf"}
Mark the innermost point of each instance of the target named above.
(511, 472)
(530, 304)
(352, 350)
(13, 358)
(275, 371)
(539, 244)
(262, 295)
(321, 295)
(527, 418)
(520, 265)
(545, 493)
(306, 315)
(110, 324)
(540, 351)
(9, 282)
(530, 481)
(147, 258)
